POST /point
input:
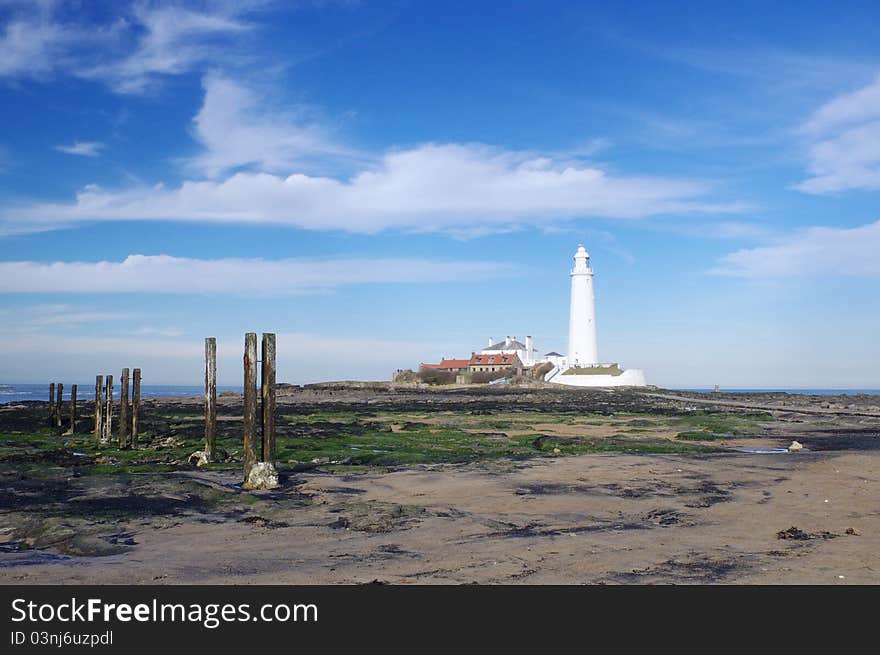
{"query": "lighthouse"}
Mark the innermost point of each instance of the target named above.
(582, 348)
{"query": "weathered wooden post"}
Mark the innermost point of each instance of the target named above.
(58, 406)
(124, 425)
(250, 402)
(99, 406)
(51, 403)
(267, 389)
(106, 432)
(210, 397)
(72, 429)
(135, 405)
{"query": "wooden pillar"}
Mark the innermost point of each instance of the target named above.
(135, 405)
(106, 432)
(51, 403)
(250, 402)
(60, 391)
(267, 389)
(210, 397)
(99, 406)
(124, 425)
(72, 409)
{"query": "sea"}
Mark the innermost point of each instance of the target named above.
(15, 392)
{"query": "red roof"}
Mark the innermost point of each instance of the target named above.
(493, 359)
(448, 364)
(454, 363)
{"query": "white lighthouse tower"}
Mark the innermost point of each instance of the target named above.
(582, 348)
(581, 367)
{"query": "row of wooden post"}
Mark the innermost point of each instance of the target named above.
(127, 433)
(267, 395)
(128, 428)
(55, 409)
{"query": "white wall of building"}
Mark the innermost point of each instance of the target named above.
(631, 377)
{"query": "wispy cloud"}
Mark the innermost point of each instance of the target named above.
(302, 356)
(815, 251)
(844, 143)
(82, 148)
(159, 331)
(239, 128)
(28, 318)
(777, 69)
(174, 40)
(32, 44)
(130, 52)
(174, 275)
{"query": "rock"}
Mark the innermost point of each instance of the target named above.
(556, 451)
(321, 460)
(793, 533)
(199, 459)
(795, 447)
(167, 442)
(853, 532)
(106, 459)
(261, 476)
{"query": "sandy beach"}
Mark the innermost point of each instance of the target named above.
(587, 514)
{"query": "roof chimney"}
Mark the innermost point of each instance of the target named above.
(507, 340)
(490, 341)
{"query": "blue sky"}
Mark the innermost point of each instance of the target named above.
(384, 183)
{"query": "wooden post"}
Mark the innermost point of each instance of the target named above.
(210, 396)
(51, 403)
(72, 409)
(135, 405)
(267, 389)
(58, 406)
(250, 402)
(106, 432)
(99, 406)
(123, 410)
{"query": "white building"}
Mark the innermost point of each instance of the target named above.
(582, 367)
(526, 352)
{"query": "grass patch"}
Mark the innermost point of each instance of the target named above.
(617, 444)
(329, 417)
(722, 423)
(353, 441)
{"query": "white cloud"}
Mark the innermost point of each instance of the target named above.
(850, 108)
(844, 143)
(236, 130)
(82, 148)
(433, 187)
(815, 251)
(172, 275)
